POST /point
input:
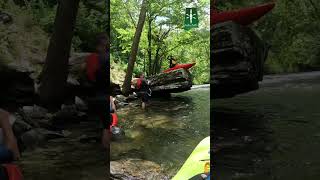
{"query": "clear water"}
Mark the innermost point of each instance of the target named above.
(272, 133)
(167, 131)
(67, 158)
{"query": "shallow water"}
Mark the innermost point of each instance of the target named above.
(68, 158)
(167, 131)
(271, 133)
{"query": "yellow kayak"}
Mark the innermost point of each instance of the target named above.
(198, 163)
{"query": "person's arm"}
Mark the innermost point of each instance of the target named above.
(112, 104)
(9, 138)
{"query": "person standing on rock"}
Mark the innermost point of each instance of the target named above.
(96, 68)
(172, 61)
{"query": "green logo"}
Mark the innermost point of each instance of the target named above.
(191, 18)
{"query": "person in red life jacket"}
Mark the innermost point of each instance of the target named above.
(142, 89)
(9, 150)
(97, 73)
(172, 61)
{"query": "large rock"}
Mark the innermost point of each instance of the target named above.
(136, 169)
(172, 82)
(238, 59)
(36, 137)
(5, 18)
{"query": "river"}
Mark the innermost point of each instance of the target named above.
(167, 131)
(79, 156)
(272, 133)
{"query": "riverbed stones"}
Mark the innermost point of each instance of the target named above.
(5, 18)
(136, 169)
(38, 136)
(19, 127)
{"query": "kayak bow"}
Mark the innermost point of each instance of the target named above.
(243, 16)
(197, 163)
(180, 66)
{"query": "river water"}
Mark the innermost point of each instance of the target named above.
(167, 131)
(79, 156)
(272, 133)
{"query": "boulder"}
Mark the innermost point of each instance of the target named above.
(239, 55)
(136, 169)
(172, 82)
(36, 137)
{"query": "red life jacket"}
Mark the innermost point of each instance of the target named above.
(13, 171)
(114, 120)
(92, 66)
(139, 82)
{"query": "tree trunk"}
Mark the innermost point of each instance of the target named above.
(134, 49)
(55, 72)
(156, 60)
(149, 44)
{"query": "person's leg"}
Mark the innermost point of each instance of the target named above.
(143, 105)
(145, 99)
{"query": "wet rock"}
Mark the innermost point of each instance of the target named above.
(67, 114)
(120, 98)
(88, 138)
(80, 104)
(19, 127)
(247, 139)
(31, 139)
(34, 111)
(5, 18)
(49, 134)
(38, 136)
(136, 169)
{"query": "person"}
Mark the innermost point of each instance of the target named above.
(113, 108)
(96, 70)
(9, 150)
(172, 61)
(143, 90)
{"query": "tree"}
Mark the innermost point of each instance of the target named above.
(134, 48)
(55, 71)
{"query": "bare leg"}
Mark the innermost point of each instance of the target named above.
(143, 105)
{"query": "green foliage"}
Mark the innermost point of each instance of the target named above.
(165, 18)
(292, 31)
(91, 20)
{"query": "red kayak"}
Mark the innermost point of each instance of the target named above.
(180, 66)
(243, 16)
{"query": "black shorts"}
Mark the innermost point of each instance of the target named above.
(144, 96)
(99, 105)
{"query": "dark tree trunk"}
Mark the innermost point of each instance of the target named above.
(55, 71)
(156, 60)
(149, 44)
(134, 49)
